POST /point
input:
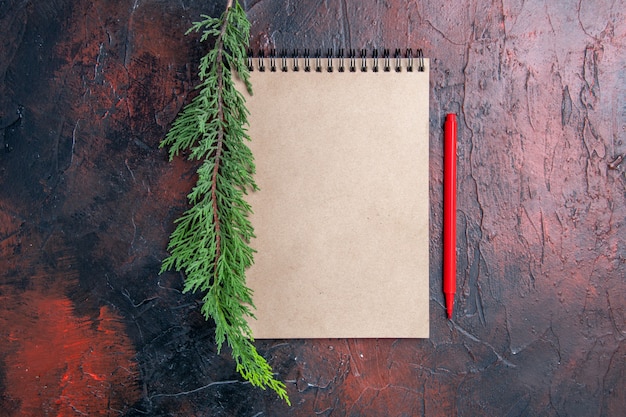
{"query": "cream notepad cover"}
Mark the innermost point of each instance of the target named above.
(341, 217)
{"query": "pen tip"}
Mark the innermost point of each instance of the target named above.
(449, 304)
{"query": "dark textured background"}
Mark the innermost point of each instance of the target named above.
(87, 201)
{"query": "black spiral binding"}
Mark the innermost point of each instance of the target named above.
(414, 61)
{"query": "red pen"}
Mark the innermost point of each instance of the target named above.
(449, 212)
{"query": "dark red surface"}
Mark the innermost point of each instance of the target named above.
(87, 201)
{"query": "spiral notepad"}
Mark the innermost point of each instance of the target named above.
(341, 218)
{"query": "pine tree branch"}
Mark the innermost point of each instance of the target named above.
(210, 243)
(220, 137)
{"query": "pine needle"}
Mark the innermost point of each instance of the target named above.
(210, 243)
